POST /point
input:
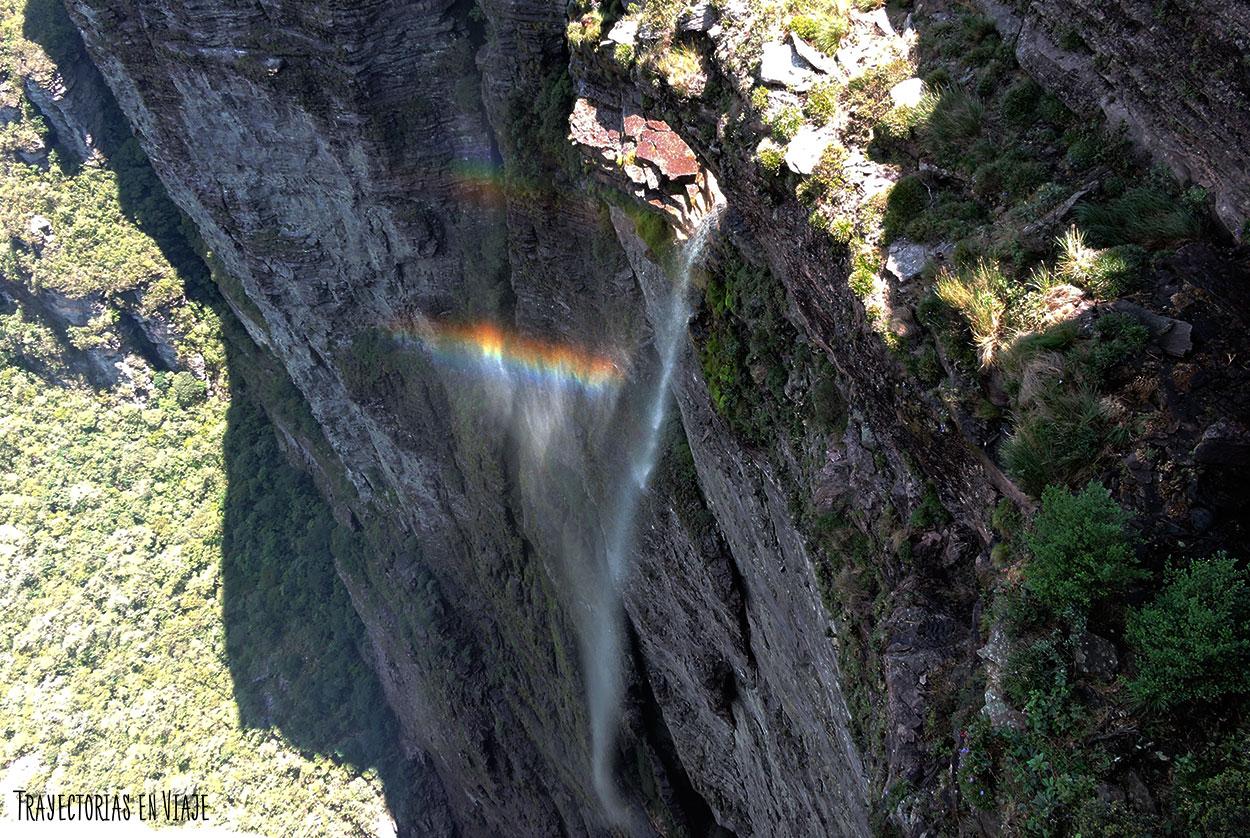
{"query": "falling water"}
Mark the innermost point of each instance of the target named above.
(604, 675)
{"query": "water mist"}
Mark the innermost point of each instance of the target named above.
(603, 640)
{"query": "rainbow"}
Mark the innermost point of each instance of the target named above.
(509, 354)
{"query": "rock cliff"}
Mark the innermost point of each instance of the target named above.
(368, 175)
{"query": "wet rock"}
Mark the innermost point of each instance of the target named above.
(906, 259)
(9, 114)
(781, 64)
(1095, 656)
(804, 151)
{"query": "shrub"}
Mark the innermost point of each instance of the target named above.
(585, 30)
(980, 297)
(188, 390)
(1009, 175)
(681, 67)
(1212, 789)
(1192, 643)
(1105, 273)
(1144, 215)
(822, 101)
(1061, 438)
(771, 156)
(1081, 552)
(1019, 105)
(955, 119)
(907, 199)
(623, 54)
(824, 28)
(787, 123)
(828, 179)
(1117, 338)
(759, 99)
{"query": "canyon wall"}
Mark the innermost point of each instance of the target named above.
(355, 169)
(351, 169)
(1173, 74)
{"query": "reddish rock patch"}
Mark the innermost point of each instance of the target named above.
(659, 145)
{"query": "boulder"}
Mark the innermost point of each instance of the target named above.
(1095, 656)
(815, 57)
(1171, 335)
(595, 127)
(906, 259)
(624, 32)
(658, 144)
(40, 226)
(697, 18)
(907, 93)
(781, 64)
(804, 151)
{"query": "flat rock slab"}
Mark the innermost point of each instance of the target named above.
(906, 259)
(804, 151)
(781, 64)
(595, 127)
(660, 145)
(815, 57)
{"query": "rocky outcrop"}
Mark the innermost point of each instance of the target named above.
(357, 170)
(1171, 73)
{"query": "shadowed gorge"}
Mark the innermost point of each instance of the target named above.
(498, 417)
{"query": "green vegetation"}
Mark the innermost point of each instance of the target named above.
(681, 67)
(1192, 643)
(112, 565)
(980, 297)
(172, 615)
(1080, 552)
(822, 23)
(771, 156)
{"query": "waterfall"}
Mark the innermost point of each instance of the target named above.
(604, 685)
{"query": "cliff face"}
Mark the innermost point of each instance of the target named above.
(1172, 74)
(346, 169)
(366, 174)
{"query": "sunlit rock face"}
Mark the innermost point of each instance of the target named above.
(475, 350)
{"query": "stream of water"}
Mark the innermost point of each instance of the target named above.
(604, 671)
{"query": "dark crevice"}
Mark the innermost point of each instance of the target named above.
(689, 809)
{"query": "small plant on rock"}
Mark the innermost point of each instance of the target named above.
(980, 296)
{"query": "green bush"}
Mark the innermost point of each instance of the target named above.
(786, 124)
(188, 390)
(822, 101)
(824, 28)
(907, 199)
(1080, 550)
(1060, 437)
(771, 156)
(1192, 643)
(1212, 788)
(1145, 215)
